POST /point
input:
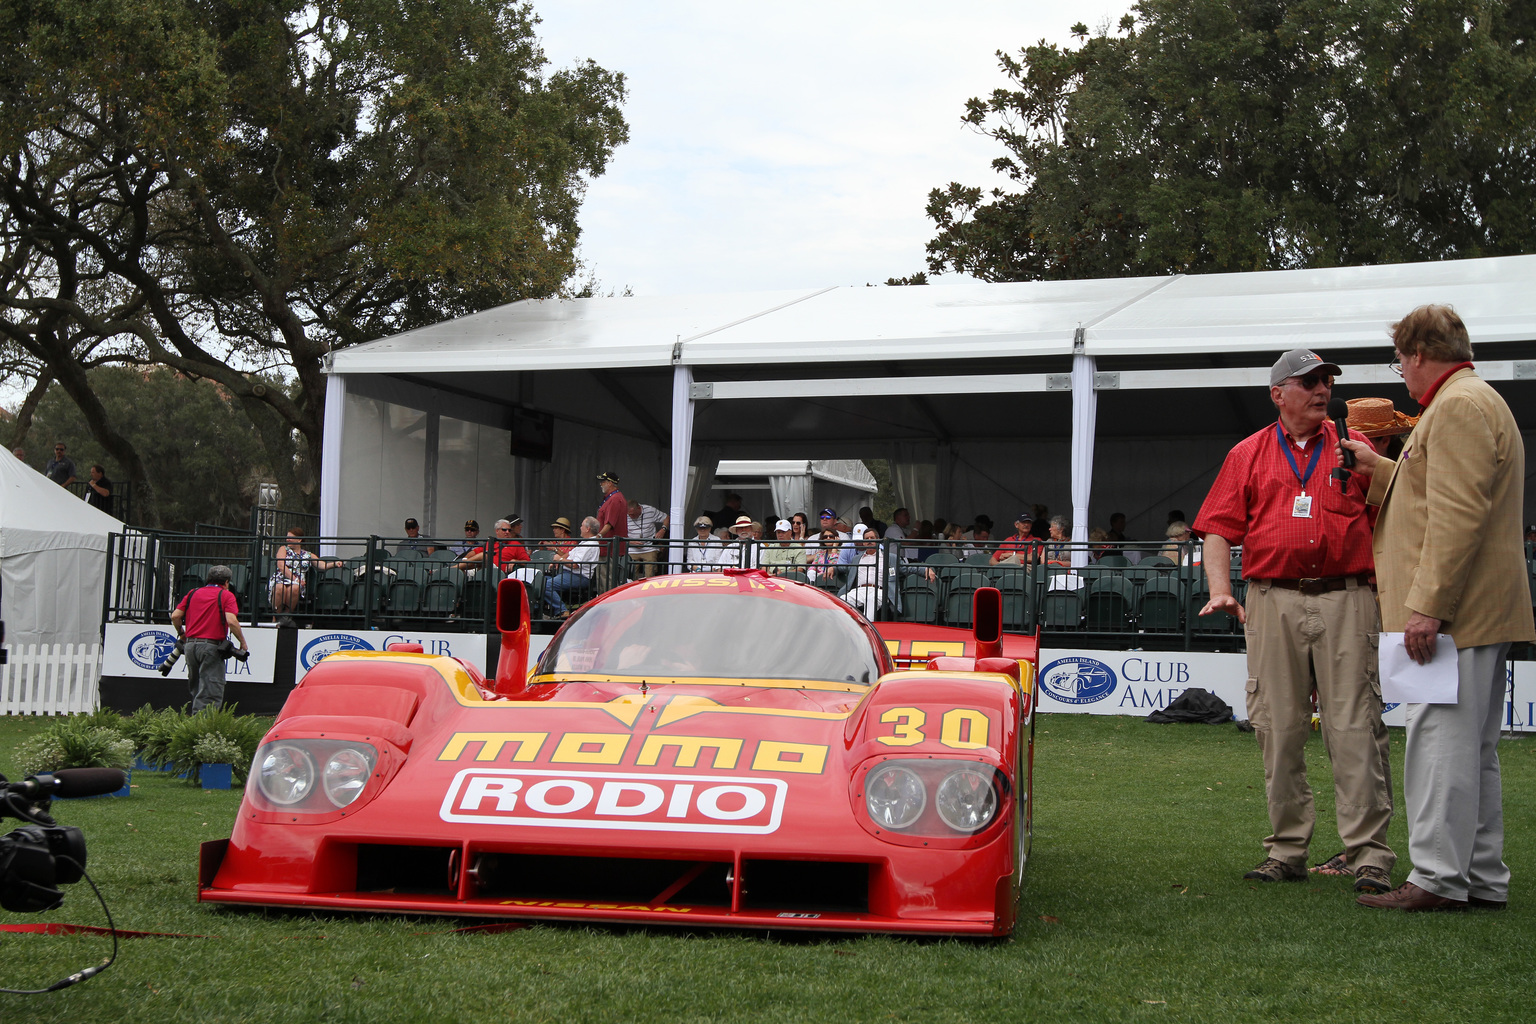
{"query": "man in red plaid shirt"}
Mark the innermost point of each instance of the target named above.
(1311, 617)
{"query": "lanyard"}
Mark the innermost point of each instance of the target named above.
(1285, 446)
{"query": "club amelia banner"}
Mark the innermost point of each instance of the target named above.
(137, 650)
(1140, 682)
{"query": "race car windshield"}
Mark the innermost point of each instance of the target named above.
(742, 636)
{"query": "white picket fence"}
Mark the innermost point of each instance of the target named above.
(50, 679)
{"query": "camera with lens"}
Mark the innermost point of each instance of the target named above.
(42, 855)
(229, 650)
(170, 662)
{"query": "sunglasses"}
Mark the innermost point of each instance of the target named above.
(1312, 380)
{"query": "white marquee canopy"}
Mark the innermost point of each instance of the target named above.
(1067, 373)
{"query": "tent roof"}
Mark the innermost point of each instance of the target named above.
(37, 514)
(1335, 308)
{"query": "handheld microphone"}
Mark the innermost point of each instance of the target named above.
(1338, 411)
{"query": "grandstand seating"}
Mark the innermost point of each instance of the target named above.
(1109, 604)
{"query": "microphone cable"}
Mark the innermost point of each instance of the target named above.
(89, 972)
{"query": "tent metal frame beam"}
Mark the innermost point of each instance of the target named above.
(1016, 383)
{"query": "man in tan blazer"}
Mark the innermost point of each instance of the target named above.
(1449, 559)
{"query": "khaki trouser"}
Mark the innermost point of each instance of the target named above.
(1331, 638)
(1451, 783)
(645, 563)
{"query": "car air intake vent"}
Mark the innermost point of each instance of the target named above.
(408, 869)
(634, 880)
(805, 885)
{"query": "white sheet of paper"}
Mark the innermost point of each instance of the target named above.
(1405, 681)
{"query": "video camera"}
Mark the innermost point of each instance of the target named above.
(42, 855)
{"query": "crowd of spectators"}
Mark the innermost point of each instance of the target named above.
(838, 552)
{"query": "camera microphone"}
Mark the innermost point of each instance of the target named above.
(71, 782)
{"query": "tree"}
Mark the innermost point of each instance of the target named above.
(1233, 135)
(232, 186)
(202, 454)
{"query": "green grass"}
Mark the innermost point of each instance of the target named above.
(1134, 910)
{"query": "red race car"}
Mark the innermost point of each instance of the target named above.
(717, 749)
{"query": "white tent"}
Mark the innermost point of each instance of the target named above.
(796, 485)
(1098, 396)
(53, 559)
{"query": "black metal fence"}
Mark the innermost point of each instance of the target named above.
(120, 505)
(1131, 598)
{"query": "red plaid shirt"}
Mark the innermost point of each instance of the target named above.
(1252, 500)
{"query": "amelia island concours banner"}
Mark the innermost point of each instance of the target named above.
(317, 644)
(1141, 682)
(136, 650)
(1071, 681)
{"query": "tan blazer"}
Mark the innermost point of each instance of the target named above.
(1448, 541)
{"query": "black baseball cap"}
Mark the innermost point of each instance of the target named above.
(410, 523)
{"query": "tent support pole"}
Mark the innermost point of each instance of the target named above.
(1085, 412)
(330, 462)
(682, 445)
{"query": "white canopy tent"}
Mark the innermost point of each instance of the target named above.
(53, 559)
(982, 396)
(796, 485)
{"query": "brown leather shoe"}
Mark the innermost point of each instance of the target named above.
(1410, 897)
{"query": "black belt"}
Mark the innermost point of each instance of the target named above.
(1322, 584)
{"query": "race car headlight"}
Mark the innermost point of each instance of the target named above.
(967, 800)
(285, 773)
(346, 773)
(894, 796)
(311, 776)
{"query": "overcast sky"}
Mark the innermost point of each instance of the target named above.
(790, 145)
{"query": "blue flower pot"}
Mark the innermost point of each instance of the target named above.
(217, 776)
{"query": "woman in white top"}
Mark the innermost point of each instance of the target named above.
(870, 578)
(289, 580)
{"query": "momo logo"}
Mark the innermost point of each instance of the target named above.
(150, 648)
(616, 800)
(1078, 680)
(322, 647)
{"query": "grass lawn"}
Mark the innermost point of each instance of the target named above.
(1134, 910)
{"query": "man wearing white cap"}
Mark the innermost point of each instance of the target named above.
(784, 554)
(1310, 616)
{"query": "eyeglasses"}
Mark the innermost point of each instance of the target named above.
(1312, 380)
(1396, 365)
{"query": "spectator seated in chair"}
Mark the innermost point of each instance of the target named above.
(571, 580)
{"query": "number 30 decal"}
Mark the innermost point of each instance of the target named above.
(959, 729)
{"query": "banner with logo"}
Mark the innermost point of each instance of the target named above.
(1141, 682)
(316, 644)
(137, 649)
(1137, 682)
